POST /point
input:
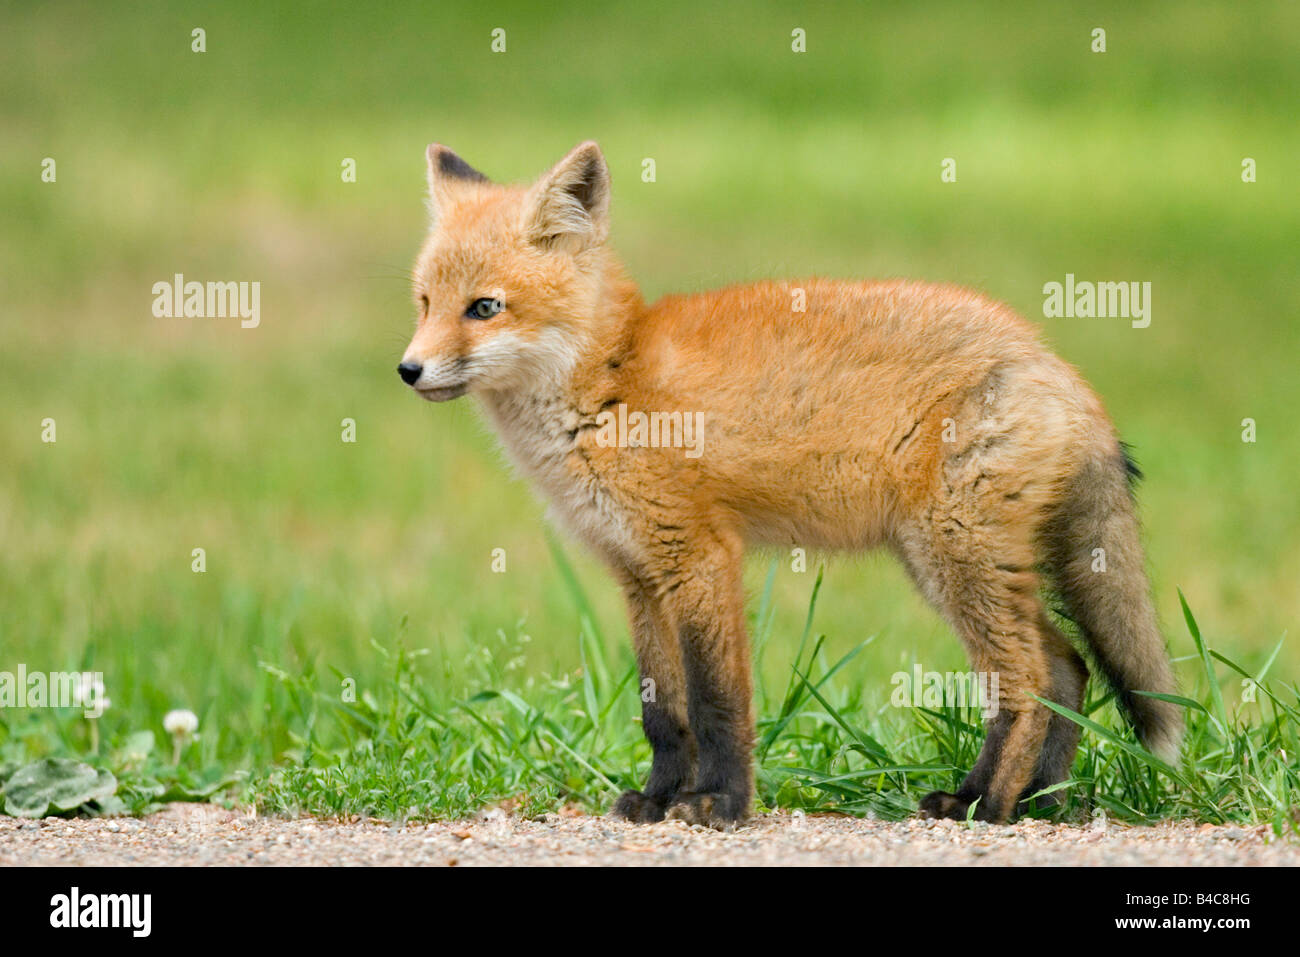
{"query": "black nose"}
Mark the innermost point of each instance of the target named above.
(409, 371)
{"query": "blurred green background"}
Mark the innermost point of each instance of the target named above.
(225, 165)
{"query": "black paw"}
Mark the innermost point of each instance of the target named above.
(712, 809)
(639, 808)
(941, 804)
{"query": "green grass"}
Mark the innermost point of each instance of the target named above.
(410, 749)
(225, 165)
(823, 745)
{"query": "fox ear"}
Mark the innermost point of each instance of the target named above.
(569, 206)
(447, 174)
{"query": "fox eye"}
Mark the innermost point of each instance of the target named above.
(484, 308)
(424, 304)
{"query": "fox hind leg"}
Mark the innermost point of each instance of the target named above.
(1012, 747)
(986, 585)
(1068, 680)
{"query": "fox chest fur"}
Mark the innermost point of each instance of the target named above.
(547, 438)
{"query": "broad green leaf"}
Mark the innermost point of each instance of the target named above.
(56, 784)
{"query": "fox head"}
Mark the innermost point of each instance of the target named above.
(508, 277)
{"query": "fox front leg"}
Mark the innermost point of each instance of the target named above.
(664, 718)
(705, 605)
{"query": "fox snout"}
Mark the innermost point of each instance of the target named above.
(435, 381)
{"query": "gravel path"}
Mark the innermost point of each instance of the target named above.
(189, 834)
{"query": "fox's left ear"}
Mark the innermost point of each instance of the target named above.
(447, 174)
(569, 206)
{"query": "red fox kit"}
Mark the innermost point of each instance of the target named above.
(840, 415)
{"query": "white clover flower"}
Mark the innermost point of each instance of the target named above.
(97, 697)
(180, 723)
(88, 693)
(88, 689)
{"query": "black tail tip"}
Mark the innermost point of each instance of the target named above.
(1130, 464)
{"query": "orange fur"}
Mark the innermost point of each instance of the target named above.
(923, 418)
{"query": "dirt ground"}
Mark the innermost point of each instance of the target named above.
(190, 834)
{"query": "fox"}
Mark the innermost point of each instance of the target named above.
(924, 419)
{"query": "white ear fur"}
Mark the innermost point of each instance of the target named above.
(570, 204)
(447, 174)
